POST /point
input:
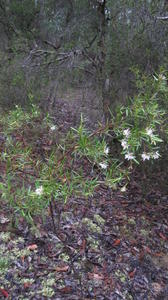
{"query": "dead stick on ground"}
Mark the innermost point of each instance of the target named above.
(52, 213)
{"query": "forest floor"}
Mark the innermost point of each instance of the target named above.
(111, 246)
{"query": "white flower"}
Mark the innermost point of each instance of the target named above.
(129, 156)
(149, 132)
(123, 189)
(103, 165)
(124, 144)
(126, 132)
(39, 190)
(155, 155)
(106, 150)
(162, 77)
(52, 128)
(145, 156)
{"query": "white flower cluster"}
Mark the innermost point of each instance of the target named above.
(125, 145)
(53, 127)
(103, 165)
(129, 156)
(144, 155)
(124, 142)
(149, 131)
(126, 132)
(148, 156)
(39, 190)
(162, 77)
(106, 150)
(155, 155)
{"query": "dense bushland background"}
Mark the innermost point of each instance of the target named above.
(47, 46)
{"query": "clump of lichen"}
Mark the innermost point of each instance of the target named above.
(99, 220)
(4, 236)
(47, 287)
(91, 225)
(121, 276)
(93, 243)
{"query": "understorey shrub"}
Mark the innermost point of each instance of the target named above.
(141, 126)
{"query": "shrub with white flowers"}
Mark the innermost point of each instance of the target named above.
(139, 126)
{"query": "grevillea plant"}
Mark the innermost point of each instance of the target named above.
(141, 126)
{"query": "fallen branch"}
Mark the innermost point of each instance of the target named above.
(162, 18)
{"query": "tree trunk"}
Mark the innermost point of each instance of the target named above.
(102, 74)
(106, 99)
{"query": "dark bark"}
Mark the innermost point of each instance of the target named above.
(103, 78)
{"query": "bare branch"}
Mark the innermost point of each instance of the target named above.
(56, 47)
(163, 18)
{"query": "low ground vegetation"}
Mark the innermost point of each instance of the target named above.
(74, 213)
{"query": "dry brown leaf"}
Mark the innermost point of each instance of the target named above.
(66, 289)
(147, 249)
(32, 247)
(131, 274)
(27, 285)
(62, 269)
(4, 293)
(117, 242)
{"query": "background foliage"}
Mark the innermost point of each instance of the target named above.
(47, 41)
